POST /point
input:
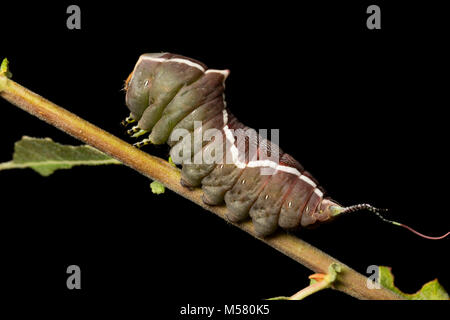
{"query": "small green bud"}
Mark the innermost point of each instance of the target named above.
(4, 68)
(157, 187)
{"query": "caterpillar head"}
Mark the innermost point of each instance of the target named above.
(139, 81)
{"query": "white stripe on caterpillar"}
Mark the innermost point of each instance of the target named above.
(225, 73)
(289, 170)
(308, 180)
(151, 58)
(318, 192)
(188, 62)
(234, 150)
(273, 165)
(179, 60)
(258, 163)
(225, 117)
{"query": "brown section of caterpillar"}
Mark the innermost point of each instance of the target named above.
(168, 92)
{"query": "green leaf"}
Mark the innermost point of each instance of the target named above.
(45, 156)
(432, 290)
(157, 187)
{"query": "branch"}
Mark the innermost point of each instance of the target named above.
(349, 281)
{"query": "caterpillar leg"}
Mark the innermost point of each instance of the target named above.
(139, 133)
(128, 120)
(136, 132)
(133, 130)
(142, 143)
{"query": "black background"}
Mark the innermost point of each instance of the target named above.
(362, 110)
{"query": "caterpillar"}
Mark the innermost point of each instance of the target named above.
(180, 101)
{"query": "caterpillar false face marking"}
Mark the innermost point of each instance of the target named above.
(168, 95)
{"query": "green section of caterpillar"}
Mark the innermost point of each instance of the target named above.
(169, 95)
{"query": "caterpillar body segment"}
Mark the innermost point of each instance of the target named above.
(224, 176)
(193, 142)
(204, 90)
(221, 179)
(266, 209)
(240, 198)
(294, 203)
(170, 95)
(170, 77)
(211, 154)
(201, 114)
